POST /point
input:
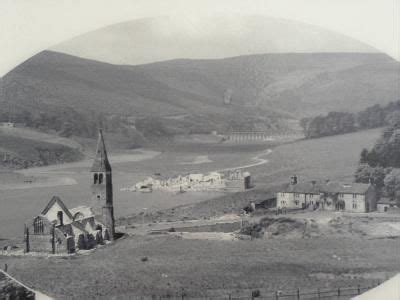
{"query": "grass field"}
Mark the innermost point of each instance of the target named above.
(201, 267)
(332, 158)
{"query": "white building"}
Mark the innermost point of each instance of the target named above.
(352, 197)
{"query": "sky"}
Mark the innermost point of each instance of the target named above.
(164, 38)
(28, 27)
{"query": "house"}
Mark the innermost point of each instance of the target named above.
(352, 197)
(58, 229)
(386, 204)
(299, 195)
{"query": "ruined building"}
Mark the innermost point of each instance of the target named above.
(61, 230)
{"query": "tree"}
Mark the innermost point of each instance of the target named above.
(364, 156)
(368, 174)
(392, 184)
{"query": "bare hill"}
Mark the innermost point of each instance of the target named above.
(186, 96)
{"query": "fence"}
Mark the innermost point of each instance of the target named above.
(342, 293)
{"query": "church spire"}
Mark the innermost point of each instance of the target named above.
(101, 163)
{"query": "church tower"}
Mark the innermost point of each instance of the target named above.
(102, 192)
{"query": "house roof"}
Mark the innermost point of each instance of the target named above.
(57, 200)
(101, 163)
(348, 188)
(303, 188)
(317, 187)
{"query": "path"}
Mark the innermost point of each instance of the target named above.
(259, 161)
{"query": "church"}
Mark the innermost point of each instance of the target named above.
(61, 230)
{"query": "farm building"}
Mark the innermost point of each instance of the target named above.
(386, 204)
(61, 230)
(353, 197)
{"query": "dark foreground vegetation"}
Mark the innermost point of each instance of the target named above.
(381, 164)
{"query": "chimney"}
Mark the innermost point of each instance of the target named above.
(293, 180)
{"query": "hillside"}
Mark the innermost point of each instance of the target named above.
(24, 148)
(298, 84)
(74, 96)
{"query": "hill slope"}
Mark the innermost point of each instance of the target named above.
(23, 148)
(183, 96)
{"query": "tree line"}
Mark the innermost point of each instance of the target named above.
(381, 164)
(344, 122)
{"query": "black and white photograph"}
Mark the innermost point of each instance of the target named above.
(198, 149)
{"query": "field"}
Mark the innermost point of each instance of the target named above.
(201, 267)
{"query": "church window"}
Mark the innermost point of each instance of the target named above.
(95, 178)
(100, 178)
(38, 226)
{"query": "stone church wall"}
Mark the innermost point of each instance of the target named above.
(40, 243)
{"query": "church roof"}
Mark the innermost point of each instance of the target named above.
(53, 200)
(83, 211)
(101, 163)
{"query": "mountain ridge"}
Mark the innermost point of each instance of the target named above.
(189, 95)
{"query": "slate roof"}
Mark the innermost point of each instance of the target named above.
(348, 188)
(62, 205)
(101, 163)
(303, 188)
(326, 187)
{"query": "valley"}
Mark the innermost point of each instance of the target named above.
(199, 156)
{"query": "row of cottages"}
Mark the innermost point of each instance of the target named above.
(352, 197)
(61, 230)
